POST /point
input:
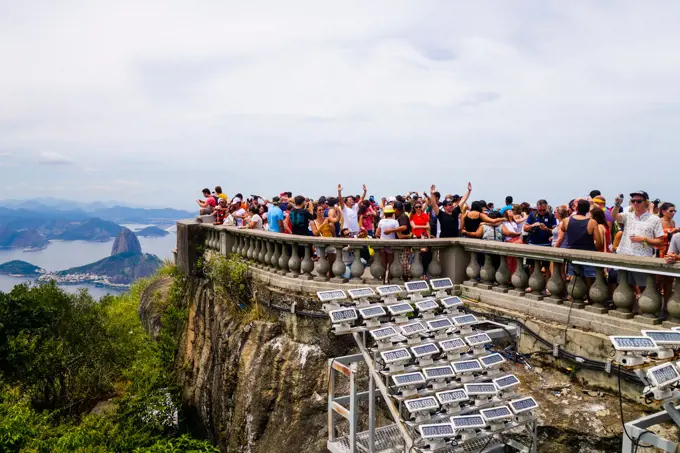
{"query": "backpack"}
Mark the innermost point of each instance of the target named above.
(297, 219)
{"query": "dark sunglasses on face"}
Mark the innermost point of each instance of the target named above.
(671, 210)
(419, 207)
(637, 200)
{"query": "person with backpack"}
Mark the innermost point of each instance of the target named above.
(300, 216)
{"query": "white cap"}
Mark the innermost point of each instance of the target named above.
(236, 200)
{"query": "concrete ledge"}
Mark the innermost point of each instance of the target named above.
(603, 324)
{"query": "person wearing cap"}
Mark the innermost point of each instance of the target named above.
(387, 230)
(283, 204)
(275, 215)
(643, 231)
(238, 211)
(600, 201)
(449, 214)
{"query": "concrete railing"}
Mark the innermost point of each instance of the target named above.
(470, 262)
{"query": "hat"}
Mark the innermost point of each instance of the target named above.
(447, 202)
(399, 205)
(388, 209)
(322, 199)
(599, 199)
(236, 200)
(391, 199)
(642, 193)
(371, 198)
(283, 193)
(455, 197)
(276, 200)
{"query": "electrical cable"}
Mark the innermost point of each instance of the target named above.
(571, 305)
(635, 442)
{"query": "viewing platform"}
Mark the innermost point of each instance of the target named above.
(285, 261)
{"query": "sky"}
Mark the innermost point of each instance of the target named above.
(149, 102)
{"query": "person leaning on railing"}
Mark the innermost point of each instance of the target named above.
(673, 255)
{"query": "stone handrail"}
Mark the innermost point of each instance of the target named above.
(457, 258)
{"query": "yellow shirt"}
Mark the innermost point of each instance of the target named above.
(223, 197)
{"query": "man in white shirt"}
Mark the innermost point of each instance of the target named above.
(350, 210)
(642, 230)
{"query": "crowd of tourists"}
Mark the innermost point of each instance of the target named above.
(640, 227)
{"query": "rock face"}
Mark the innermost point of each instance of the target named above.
(252, 386)
(125, 242)
(17, 267)
(21, 238)
(122, 268)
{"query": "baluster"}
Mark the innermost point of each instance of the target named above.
(294, 262)
(487, 273)
(650, 303)
(237, 244)
(223, 243)
(377, 269)
(256, 251)
(434, 270)
(472, 270)
(624, 298)
(396, 271)
(536, 282)
(556, 285)
(357, 267)
(577, 288)
(244, 250)
(307, 265)
(338, 268)
(261, 253)
(598, 293)
(276, 255)
(673, 306)
(213, 239)
(283, 259)
(502, 276)
(323, 266)
(268, 256)
(417, 265)
(251, 249)
(519, 279)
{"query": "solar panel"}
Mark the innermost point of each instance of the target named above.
(487, 388)
(466, 366)
(412, 328)
(632, 343)
(335, 294)
(468, 422)
(441, 283)
(421, 404)
(416, 286)
(663, 337)
(439, 324)
(383, 333)
(436, 431)
(451, 302)
(360, 292)
(452, 396)
(454, 344)
(506, 382)
(400, 308)
(423, 350)
(372, 312)
(430, 304)
(479, 339)
(343, 315)
(400, 380)
(523, 405)
(491, 360)
(438, 372)
(664, 374)
(396, 355)
(389, 290)
(464, 320)
(496, 413)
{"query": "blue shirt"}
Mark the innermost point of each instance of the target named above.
(536, 235)
(505, 208)
(273, 216)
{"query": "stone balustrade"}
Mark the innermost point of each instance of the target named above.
(484, 265)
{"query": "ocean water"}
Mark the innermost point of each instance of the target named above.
(60, 255)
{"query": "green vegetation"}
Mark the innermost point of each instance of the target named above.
(62, 354)
(18, 267)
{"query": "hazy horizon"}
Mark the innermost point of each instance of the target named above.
(147, 103)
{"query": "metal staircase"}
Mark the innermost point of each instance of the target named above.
(432, 366)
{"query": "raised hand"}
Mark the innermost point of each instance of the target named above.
(433, 189)
(469, 187)
(339, 187)
(364, 187)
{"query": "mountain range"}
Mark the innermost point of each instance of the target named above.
(35, 224)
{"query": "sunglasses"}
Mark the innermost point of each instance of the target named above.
(419, 207)
(637, 200)
(671, 210)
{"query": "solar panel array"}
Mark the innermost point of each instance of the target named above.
(496, 413)
(441, 283)
(663, 337)
(437, 431)
(523, 405)
(335, 294)
(468, 422)
(360, 292)
(343, 315)
(421, 404)
(417, 286)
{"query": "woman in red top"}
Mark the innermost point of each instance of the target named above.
(420, 221)
(366, 215)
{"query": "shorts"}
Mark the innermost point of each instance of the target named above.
(586, 271)
(637, 278)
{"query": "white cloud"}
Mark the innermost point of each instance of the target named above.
(51, 158)
(270, 96)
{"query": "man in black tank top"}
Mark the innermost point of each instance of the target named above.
(583, 235)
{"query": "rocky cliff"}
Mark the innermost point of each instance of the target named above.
(253, 382)
(126, 241)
